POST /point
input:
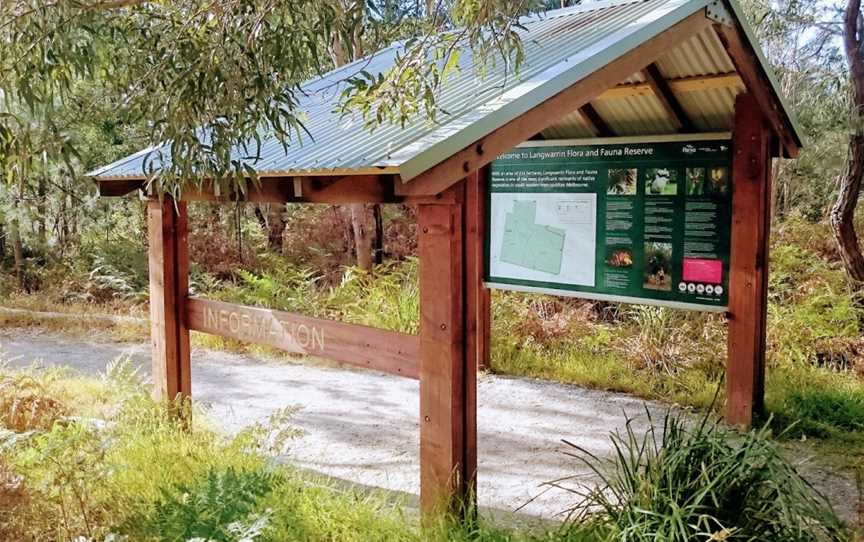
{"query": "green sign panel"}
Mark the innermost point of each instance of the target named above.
(638, 222)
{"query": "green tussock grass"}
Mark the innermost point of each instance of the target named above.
(685, 481)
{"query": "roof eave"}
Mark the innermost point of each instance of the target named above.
(794, 128)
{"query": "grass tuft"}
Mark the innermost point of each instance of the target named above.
(680, 482)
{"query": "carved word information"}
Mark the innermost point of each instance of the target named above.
(301, 336)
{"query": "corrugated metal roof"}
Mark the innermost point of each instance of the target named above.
(561, 48)
(710, 109)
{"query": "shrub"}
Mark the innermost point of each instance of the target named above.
(387, 299)
(702, 483)
(67, 481)
(208, 508)
(26, 403)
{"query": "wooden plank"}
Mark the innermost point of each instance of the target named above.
(504, 138)
(169, 269)
(314, 189)
(748, 262)
(663, 92)
(445, 481)
(682, 84)
(118, 188)
(478, 298)
(749, 70)
(334, 190)
(477, 311)
(598, 125)
(363, 346)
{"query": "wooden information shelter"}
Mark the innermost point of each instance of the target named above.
(605, 69)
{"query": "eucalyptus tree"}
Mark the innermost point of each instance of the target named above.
(843, 213)
(209, 76)
(801, 40)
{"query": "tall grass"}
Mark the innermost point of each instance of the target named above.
(679, 483)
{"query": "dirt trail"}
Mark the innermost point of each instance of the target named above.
(362, 426)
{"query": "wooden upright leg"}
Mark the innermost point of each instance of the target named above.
(169, 284)
(447, 436)
(477, 295)
(748, 279)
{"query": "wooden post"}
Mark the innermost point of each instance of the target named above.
(447, 371)
(478, 297)
(748, 278)
(169, 284)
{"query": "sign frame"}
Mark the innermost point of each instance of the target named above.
(491, 282)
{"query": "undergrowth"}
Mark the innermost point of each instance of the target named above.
(135, 473)
(129, 471)
(815, 344)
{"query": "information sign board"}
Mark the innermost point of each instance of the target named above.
(641, 221)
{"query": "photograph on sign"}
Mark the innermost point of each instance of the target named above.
(641, 221)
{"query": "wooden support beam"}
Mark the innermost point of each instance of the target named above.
(334, 190)
(363, 346)
(447, 436)
(663, 92)
(682, 84)
(599, 126)
(748, 276)
(537, 119)
(118, 188)
(748, 67)
(315, 189)
(169, 286)
(478, 313)
(478, 298)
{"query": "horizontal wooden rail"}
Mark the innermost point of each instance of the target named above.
(386, 351)
(681, 84)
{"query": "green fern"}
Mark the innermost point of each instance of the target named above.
(208, 509)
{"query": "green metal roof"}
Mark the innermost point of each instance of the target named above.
(561, 48)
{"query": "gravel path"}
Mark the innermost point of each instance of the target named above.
(362, 426)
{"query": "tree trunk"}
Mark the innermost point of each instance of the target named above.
(41, 212)
(361, 224)
(275, 226)
(64, 225)
(17, 252)
(259, 216)
(379, 233)
(843, 213)
(2, 244)
(343, 49)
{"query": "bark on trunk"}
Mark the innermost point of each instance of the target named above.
(41, 211)
(379, 233)
(275, 226)
(17, 252)
(259, 216)
(843, 212)
(361, 224)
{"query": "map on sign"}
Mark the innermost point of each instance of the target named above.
(545, 237)
(531, 245)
